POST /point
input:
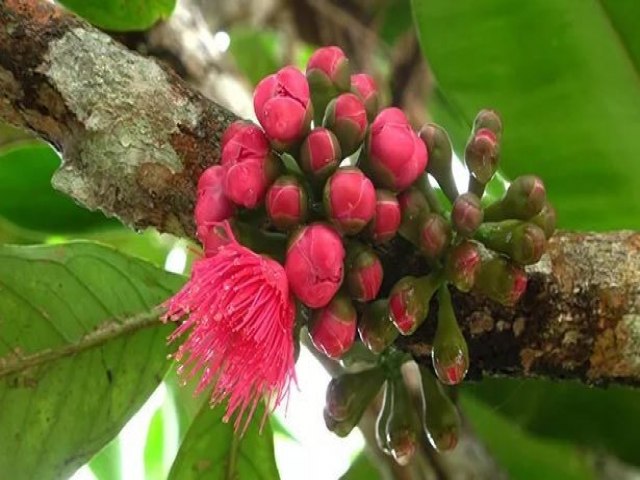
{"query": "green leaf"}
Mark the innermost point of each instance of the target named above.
(81, 349)
(602, 419)
(211, 450)
(256, 53)
(28, 199)
(121, 15)
(362, 469)
(523, 456)
(154, 447)
(564, 75)
(107, 464)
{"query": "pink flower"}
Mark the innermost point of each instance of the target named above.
(333, 328)
(365, 87)
(364, 273)
(320, 153)
(250, 167)
(395, 155)
(239, 319)
(314, 264)
(387, 217)
(347, 118)
(283, 106)
(350, 199)
(212, 205)
(287, 202)
(213, 238)
(331, 65)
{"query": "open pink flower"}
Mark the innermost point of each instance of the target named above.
(239, 318)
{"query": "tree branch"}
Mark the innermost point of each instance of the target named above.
(134, 138)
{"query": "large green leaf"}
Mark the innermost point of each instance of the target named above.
(28, 199)
(121, 15)
(602, 419)
(362, 468)
(81, 348)
(256, 53)
(523, 456)
(211, 450)
(564, 75)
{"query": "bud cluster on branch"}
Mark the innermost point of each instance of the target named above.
(292, 222)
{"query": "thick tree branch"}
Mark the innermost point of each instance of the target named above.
(134, 138)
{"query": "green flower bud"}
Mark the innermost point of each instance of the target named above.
(440, 417)
(546, 219)
(467, 214)
(400, 431)
(440, 156)
(449, 354)
(524, 242)
(375, 327)
(435, 236)
(524, 199)
(409, 301)
(481, 157)
(490, 120)
(462, 264)
(501, 281)
(414, 208)
(383, 418)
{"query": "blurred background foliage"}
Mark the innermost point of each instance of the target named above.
(565, 77)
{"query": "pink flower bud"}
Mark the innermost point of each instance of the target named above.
(314, 264)
(213, 238)
(320, 153)
(395, 155)
(283, 106)
(287, 202)
(462, 265)
(333, 328)
(350, 199)
(387, 217)
(250, 166)
(347, 118)
(212, 205)
(365, 87)
(435, 236)
(331, 65)
(363, 273)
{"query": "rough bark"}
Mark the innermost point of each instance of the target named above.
(134, 138)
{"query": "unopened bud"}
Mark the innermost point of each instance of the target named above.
(213, 238)
(546, 220)
(409, 301)
(349, 199)
(347, 118)
(524, 242)
(481, 155)
(501, 281)
(440, 417)
(328, 75)
(524, 199)
(401, 434)
(375, 327)
(320, 153)
(212, 204)
(333, 328)
(363, 272)
(365, 87)
(449, 353)
(414, 208)
(461, 268)
(435, 236)
(287, 202)
(467, 214)
(387, 217)
(440, 157)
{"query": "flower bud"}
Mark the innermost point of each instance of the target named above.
(462, 265)
(213, 238)
(400, 432)
(440, 153)
(333, 328)
(481, 155)
(314, 264)
(501, 281)
(363, 272)
(435, 236)
(287, 202)
(440, 417)
(365, 87)
(328, 75)
(546, 219)
(349, 199)
(212, 205)
(409, 301)
(383, 418)
(467, 214)
(358, 358)
(348, 396)
(347, 118)
(449, 353)
(394, 156)
(250, 167)
(320, 153)
(524, 199)
(387, 217)
(375, 327)
(414, 208)
(283, 106)
(524, 242)
(490, 120)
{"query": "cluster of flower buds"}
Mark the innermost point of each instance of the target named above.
(330, 176)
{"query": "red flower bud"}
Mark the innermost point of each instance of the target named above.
(501, 281)
(212, 205)
(349, 199)
(481, 155)
(250, 166)
(365, 87)
(449, 353)
(409, 302)
(347, 118)
(333, 328)
(395, 155)
(463, 263)
(440, 418)
(314, 264)
(283, 106)
(467, 214)
(330, 65)
(363, 273)
(320, 154)
(287, 202)
(435, 236)
(488, 119)
(387, 217)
